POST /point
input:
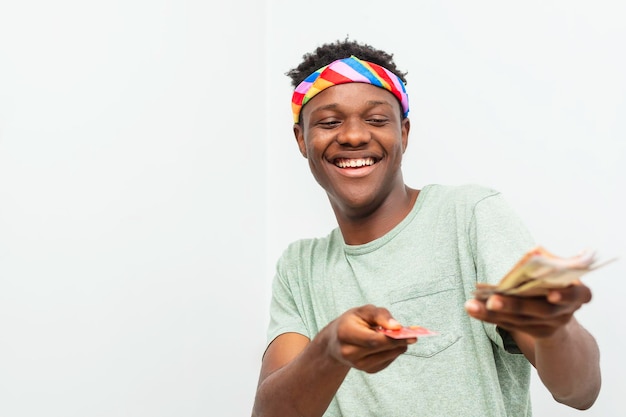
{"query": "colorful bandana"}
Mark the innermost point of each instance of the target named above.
(348, 70)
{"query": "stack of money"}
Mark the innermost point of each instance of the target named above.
(539, 271)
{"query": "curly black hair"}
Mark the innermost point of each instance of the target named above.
(329, 52)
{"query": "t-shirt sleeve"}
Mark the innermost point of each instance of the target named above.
(499, 239)
(285, 316)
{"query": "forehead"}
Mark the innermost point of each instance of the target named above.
(353, 96)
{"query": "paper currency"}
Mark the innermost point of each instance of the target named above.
(539, 271)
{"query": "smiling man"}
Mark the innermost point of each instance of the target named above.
(402, 257)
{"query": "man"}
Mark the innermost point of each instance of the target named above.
(402, 256)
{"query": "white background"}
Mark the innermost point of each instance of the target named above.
(149, 178)
(132, 215)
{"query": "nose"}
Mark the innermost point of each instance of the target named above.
(353, 133)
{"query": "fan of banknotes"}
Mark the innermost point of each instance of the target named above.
(538, 271)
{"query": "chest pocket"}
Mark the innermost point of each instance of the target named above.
(436, 305)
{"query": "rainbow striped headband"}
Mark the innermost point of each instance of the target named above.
(348, 70)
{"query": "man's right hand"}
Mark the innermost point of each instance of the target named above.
(300, 377)
(351, 339)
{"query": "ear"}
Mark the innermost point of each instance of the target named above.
(406, 127)
(298, 132)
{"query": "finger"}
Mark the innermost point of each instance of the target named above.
(377, 346)
(507, 310)
(539, 307)
(379, 361)
(356, 334)
(536, 326)
(520, 321)
(377, 316)
(577, 294)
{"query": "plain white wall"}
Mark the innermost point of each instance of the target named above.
(132, 207)
(529, 98)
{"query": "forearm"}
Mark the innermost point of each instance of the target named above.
(303, 388)
(568, 365)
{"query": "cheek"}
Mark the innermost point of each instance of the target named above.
(316, 166)
(318, 172)
(315, 146)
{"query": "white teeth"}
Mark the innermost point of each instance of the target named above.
(354, 163)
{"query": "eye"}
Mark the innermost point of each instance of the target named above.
(378, 121)
(329, 123)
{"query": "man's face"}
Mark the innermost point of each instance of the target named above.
(354, 137)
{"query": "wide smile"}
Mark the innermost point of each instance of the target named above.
(354, 162)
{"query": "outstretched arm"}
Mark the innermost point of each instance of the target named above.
(564, 353)
(300, 378)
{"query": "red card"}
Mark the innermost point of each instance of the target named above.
(407, 332)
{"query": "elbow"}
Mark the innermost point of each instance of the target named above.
(582, 401)
(264, 407)
(258, 412)
(578, 405)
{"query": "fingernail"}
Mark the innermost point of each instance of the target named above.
(554, 296)
(471, 306)
(494, 304)
(393, 323)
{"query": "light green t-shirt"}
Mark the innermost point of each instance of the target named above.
(422, 271)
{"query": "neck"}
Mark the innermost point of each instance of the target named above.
(369, 224)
